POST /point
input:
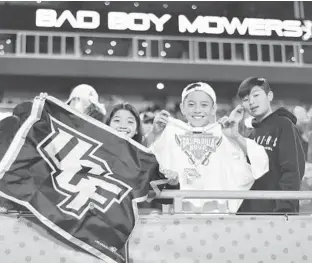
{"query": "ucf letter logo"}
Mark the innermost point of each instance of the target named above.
(83, 178)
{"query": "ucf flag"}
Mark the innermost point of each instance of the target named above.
(78, 177)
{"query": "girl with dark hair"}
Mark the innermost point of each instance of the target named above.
(125, 119)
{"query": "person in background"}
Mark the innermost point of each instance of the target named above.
(85, 99)
(147, 119)
(277, 132)
(303, 121)
(9, 126)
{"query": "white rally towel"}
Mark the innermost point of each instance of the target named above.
(205, 159)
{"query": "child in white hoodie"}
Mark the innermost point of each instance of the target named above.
(205, 154)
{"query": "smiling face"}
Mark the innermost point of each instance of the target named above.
(257, 103)
(124, 122)
(198, 108)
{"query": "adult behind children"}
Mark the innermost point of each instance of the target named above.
(277, 132)
(85, 99)
(302, 125)
(202, 154)
(147, 118)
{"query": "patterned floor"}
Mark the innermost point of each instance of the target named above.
(175, 239)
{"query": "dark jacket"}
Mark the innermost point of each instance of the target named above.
(8, 129)
(281, 139)
(10, 125)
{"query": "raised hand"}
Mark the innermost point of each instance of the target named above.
(230, 123)
(160, 122)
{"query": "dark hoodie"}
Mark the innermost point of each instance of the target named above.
(10, 125)
(8, 128)
(281, 139)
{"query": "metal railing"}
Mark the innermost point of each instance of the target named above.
(179, 195)
(121, 47)
(202, 194)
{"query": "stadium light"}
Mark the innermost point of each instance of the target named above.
(160, 86)
(167, 45)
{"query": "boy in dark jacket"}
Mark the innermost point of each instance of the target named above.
(277, 132)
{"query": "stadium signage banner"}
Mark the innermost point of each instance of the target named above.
(202, 25)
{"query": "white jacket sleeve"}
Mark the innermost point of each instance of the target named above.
(259, 160)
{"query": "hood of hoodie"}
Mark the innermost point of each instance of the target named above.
(285, 113)
(281, 112)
